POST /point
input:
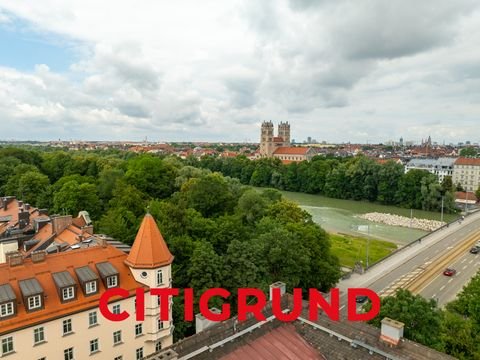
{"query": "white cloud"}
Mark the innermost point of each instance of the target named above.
(338, 70)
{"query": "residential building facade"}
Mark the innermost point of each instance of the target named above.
(440, 167)
(49, 302)
(466, 172)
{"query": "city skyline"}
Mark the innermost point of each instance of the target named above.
(214, 71)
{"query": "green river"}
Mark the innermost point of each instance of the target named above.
(340, 216)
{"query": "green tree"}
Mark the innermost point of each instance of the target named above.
(421, 317)
(31, 186)
(251, 206)
(469, 151)
(459, 337)
(206, 268)
(74, 197)
(210, 195)
(151, 175)
(389, 177)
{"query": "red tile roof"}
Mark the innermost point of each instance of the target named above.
(467, 161)
(149, 249)
(42, 271)
(460, 195)
(290, 150)
(281, 343)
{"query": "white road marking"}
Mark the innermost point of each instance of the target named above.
(428, 257)
(341, 307)
(470, 261)
(463, 261)
(450, 247)
(465, 267)
(449, 281)
(443, 287)
(458, 273)
(434, 295)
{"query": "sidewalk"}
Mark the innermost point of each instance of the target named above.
(384, 267)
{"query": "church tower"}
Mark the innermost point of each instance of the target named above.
(284, 132)
(266, 139)
(150, 262)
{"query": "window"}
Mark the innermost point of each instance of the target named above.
(158, 346)
(116, 309)
(68, 293)
(38, 335)
(93, 346)
(91, 287)
(7, 345)
(68, 354)
(112, 281)
(67, 326)
(159, 277)
(139, 353)
(117, 337)
(34, 302)
(92, 318)
(160, 324)
(7, 309)
(138, 329)
(120, 357)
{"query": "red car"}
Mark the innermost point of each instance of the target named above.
(449, 272)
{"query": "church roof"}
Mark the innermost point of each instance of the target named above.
(149, 249)
(290, 150)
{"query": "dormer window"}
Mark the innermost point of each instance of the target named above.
(91, 287)
(8, 301)
(109, 274)
(32, 294)
(7, 309)
(112, 281)
(68, 293)
(34, 302)
(88, 280)
(66, 286)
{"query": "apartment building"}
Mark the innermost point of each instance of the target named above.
(466, 172)
(49, 302)
(440, 167)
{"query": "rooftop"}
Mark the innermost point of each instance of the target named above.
(468, 161)
(57, 270)
(149, 249)
(291, 150)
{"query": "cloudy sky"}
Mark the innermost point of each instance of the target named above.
(339, 71)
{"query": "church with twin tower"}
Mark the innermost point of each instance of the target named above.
(279, 146)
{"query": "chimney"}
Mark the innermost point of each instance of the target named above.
(14, 258)
(201, 323)
(278, 284)
(27, 207)
(38, 256)
(391, 331)
(20, 203)
(60, 223)
(23, 219)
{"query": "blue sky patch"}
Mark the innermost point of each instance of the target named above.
(21, 47)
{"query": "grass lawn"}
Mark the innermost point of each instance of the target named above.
(350, 249)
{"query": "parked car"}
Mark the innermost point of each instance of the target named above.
(449, 272)
(475, 250)
(361, 299)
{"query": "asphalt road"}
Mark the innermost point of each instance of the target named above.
(385, 278)
(440, 287)
(444, 289)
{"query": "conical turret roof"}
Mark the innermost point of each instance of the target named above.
(149, 250)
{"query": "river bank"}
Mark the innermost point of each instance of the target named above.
(403, 221)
